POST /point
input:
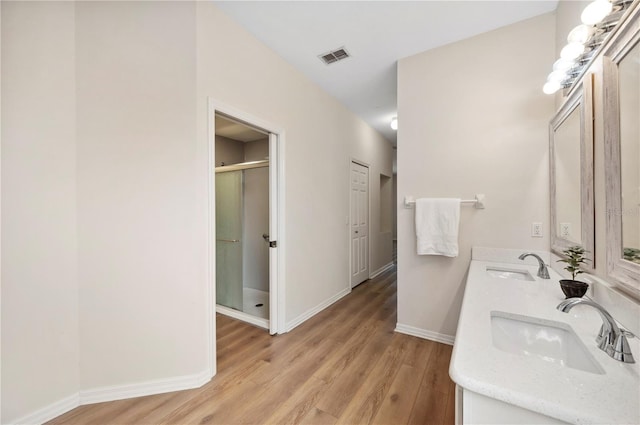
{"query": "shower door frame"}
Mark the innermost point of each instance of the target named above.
(276, 221)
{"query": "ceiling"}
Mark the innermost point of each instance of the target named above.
(237, 131)
(376, 34)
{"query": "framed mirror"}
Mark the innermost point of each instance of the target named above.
(621, 79)
(571, 172)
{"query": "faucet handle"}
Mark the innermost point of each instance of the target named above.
(543, 272)
(602, 336)
(621, 350)
(627, 333)
(606, 338)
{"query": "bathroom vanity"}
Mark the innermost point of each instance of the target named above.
(518, 360)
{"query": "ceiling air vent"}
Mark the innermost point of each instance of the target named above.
(334, 56)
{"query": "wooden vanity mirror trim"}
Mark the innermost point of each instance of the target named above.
(581, 98)
(623, 272)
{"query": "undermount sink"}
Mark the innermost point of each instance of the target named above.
(553, 342)
(507, 273)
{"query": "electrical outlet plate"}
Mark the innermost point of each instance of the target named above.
(536, 230)
(565, 230)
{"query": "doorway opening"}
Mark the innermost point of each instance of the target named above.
(242, 221)
(246, 204)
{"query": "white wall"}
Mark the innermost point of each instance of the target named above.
(114, 277)
(39, 258)
(141, 216)
(473, 119)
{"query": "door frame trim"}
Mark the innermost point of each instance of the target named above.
(213, 107)
(364, 164)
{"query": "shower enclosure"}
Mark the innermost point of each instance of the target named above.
(242, 249)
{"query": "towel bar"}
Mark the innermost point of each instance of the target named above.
(410, 202)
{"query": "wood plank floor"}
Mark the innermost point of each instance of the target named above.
(346, 365)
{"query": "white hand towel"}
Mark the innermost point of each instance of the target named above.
(437, 221)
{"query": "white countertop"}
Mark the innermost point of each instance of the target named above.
(550, 389)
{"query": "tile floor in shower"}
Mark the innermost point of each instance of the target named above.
(252, 297)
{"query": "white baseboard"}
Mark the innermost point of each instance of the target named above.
(111, 393)
(159, 386)
(49, 412)
(425, 334)
(257, 321)
(381, 270)
(315, 310)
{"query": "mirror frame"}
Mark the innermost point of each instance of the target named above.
(623, 272)
(582, 98)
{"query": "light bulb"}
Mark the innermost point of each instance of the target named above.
(551, 87)
(596, 11)
(580, 34)
(394, 123)
(563, 64)
(558, 76)
(572, 51)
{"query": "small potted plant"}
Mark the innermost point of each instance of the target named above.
(574, 257)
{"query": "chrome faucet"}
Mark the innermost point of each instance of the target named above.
(542, 267)
(611, 338)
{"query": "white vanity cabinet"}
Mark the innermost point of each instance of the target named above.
(474, 408)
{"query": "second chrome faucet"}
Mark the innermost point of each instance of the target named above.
(543, 272)
(611, 339)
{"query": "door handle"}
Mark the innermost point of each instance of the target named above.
(272, 244)
(356, 231)
(228, 240)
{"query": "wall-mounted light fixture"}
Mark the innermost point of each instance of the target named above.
(598, 19)
(394, 123)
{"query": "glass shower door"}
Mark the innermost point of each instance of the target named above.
(229, 239)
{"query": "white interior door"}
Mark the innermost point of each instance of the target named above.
(359, 223)
(273, 233)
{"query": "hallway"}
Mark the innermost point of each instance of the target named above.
(345, 365)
